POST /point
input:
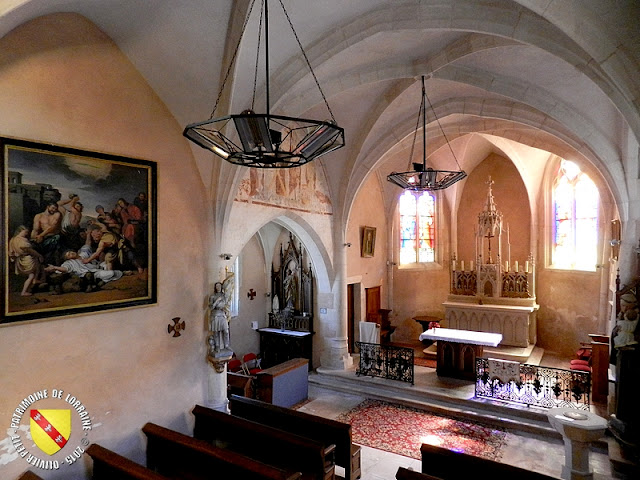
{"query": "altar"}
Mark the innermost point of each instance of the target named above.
(458, 350)
(515, 322)
(491, 293)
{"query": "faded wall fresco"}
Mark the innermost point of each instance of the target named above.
(303, 189)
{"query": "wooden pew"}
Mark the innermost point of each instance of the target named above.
(266, 444)
(29, 475)
(179, 456)
(406, 474)
(450, 465)
(240, 384)
(304, 424)
(108, 465)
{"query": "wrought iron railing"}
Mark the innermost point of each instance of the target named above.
(387, 361)
(537, 386)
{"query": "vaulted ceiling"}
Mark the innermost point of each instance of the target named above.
(556, 75)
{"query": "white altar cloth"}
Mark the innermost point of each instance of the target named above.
(462, 336)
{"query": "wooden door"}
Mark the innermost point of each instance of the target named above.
(350, 317)
(372, 296)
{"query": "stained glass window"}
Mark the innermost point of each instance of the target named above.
(575, 205)
(417, 227)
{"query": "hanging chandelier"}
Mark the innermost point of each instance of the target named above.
(423, 178)
(264, 140)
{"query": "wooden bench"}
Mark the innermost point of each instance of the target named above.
(29, 475)
(304, 424)
(266, 444)
(108, 465)
(406, 474)
(240, 384)
(179, 456)
(450, 465)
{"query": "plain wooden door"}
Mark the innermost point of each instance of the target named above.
(372, 296)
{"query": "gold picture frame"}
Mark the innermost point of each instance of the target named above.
(368, 243)
(62, 206)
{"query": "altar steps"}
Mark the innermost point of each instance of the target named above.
(443, 396)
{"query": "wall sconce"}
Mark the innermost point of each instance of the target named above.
(226, 256)
(616, 233)
(347, 244)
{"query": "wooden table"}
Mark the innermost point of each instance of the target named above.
(425, 320)
(457, 350)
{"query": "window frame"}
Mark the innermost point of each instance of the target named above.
(437, 216)
(551, 215)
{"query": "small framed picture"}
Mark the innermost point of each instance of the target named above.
(368, 241)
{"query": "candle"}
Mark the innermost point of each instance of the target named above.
(526, 266)
(462, 265)
(471, 267)
(516, 268)
(453, 263)
(506, 265)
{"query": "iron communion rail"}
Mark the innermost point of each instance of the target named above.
(537, 386)
(387, 361)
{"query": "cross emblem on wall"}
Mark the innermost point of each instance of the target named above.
(251, 294)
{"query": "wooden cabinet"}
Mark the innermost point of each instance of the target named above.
(278, 346)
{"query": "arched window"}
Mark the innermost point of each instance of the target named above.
(575, 222)
(417, 227)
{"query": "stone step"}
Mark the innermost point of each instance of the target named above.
(518, 418)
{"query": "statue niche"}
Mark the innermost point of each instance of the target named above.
(290, 331)
(292, 290)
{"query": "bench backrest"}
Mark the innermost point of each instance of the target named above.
(318, 428)
(176, 455)
(29, 475)
(450, 465)
(406, 474)
(108, 465)
(264, 443)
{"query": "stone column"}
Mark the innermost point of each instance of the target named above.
(217, 384)
(336, 355)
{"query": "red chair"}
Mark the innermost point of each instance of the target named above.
(583, 360)
(251, 364)
(234, 365)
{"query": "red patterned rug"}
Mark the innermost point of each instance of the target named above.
(401, 430)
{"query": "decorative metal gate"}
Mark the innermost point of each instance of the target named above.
(387, 361)
(537, 386)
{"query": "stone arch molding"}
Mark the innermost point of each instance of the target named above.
(320, 259)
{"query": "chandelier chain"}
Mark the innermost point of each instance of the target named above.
(442, 129)
(308, 62)
(255, 73)
(233, 59)
(415, 135)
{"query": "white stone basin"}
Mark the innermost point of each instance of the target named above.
(586, 430)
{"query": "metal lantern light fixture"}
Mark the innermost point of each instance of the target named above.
(423, 178)
(264, 140)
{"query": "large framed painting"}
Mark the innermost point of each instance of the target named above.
(78, 231)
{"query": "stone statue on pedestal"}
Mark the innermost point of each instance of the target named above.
(219, 317)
